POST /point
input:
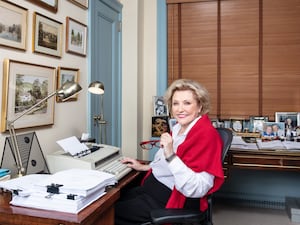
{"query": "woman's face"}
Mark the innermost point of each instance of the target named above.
(185, 107)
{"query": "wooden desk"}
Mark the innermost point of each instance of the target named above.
(263, 159)
(101, 212)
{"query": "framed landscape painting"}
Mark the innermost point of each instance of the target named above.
(76, 37)
(25, 84)
(51, 5)
(13, 25)
(67, 74)
(47, 35)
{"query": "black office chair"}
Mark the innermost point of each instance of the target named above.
(186, 216)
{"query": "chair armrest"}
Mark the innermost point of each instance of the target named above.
(162, 216)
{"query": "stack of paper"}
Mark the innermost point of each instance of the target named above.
(77, 188)
(239, 143)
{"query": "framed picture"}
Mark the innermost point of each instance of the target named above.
(76, 37)
(51, 5)
(81, 3)
(13, 25)
(47, 35)
(289, 118)
(257, 123)
(66, 74)
(159, 125)
(273, 130)
(237, 125)
(159, 106)
(24, 84)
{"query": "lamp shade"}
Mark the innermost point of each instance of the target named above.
(67, 90)
(96, 87)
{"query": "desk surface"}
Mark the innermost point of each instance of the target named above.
(99, 212)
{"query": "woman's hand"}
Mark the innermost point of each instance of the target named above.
(166, 142)
(135, 164)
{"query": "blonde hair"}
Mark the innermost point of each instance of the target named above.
(200, 93)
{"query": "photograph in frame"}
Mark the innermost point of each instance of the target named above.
(67, 74)
(286, 116)
(24, 84)
(159, 106)
(13, 25)
(160, 125)
(47, 35)
(273, 130)
(81, 3)
(257, 123)
(51, 5)
(76, 37)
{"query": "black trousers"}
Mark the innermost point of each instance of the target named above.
(135, 204)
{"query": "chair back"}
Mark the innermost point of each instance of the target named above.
(226, 136)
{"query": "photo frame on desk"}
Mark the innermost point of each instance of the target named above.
(283, 116)
(24, 84)
(14, 25)
(257, 123)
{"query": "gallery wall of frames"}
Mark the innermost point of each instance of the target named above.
(42, 45)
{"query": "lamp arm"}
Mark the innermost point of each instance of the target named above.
(31, 108)
(15, 149)
(13, 136)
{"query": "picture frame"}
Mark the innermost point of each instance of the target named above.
(273, 130)
(257, 123)
(283, 116)
(67, 74)
(47, 35)
(159, 125)
(13, 26)
(159, 106)
(24, 84)
(76, 37)
(51, 5)
(81, 3)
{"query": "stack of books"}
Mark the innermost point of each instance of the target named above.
(65, 191)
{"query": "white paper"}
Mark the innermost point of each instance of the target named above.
(72, 145)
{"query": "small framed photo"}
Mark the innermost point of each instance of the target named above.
(160, 108)
(25, 84)
(273, 130)
(237, 125)
(76, 37)
(257, 123)
(159, 125)
(47, 35)
(67, 74)
(13, 25)
(51, 5)
(289, 118)
(81, 3)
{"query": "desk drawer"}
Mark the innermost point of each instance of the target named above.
(265, 161)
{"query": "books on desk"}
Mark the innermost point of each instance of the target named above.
(65, 191)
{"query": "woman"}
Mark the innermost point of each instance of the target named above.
(188, 165)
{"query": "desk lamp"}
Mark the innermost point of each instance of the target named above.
(97, 88)
(66, 91)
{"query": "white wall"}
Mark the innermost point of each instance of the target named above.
(139, 73)
(70, 117)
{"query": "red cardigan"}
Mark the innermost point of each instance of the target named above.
(201, 151)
